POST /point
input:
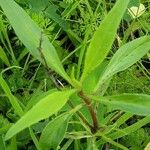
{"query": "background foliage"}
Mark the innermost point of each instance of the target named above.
(51, 65)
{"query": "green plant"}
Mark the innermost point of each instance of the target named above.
(85, 87)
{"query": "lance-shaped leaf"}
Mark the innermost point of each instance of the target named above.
(46, 107)
(55, 130)
(31, 35)
(103, 38)
(125, 57)
(3, 57)
(13, 100)
(138, 104)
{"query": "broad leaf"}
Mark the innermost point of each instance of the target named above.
(134, 103)
(104, 37)
(125, 57)
(36, 97)
(46, 107)
(54, 132)
(30, 35)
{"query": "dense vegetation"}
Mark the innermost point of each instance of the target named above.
(74, 74)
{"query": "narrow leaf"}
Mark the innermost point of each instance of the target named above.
(126, 131)
(38, 5)
(46, 107)
(125, 57)
(104, 37)
(13, 100)
(3, 57)
(138, 104)
(132, 128)
(12, 145)
(2, 143)
(51, 12)
(30, 35)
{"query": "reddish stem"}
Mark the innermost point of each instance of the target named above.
(91, 110)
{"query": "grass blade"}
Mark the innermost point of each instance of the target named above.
(3, 57)
(13, 100)
(127, 130)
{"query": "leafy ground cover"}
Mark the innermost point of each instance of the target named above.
(74, 74)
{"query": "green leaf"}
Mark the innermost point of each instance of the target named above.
(3, 57)
(104, 37)
(132, 128)
(30, 35)
(125, 57)
(138, 104)
(13, 100)
(38, 5)
(109, 140)
(134, 3)
(92, 78)
(36, 97)
(46, 107)
(51, 13)
(12, 145)
(2, 143)
(128, 130)
(54, 132)
(35, 140)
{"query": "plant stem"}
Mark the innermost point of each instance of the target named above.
(45, 63)
(80, 115)
(91, 110)
(56, 84)
(88, 103)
